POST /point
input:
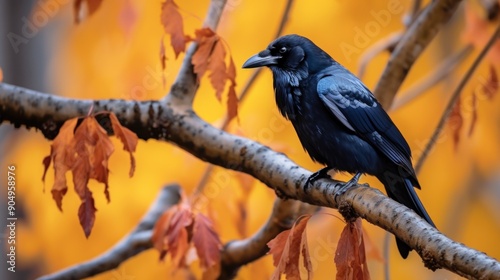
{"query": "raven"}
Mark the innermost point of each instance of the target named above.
(338, 120)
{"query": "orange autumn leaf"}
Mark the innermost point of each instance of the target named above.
(456, 121)
(93, 149)
(63, 158)
(490, 87)
(128, 138)
(350, 256)
(91, 8)
(211, 56)
(173, 25)
(474, 113)
(85, 150)
(1, 75)
(178, 229)
(206, 40)
(206, 241)
(287, 247)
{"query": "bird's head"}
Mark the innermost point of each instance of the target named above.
(291, 53)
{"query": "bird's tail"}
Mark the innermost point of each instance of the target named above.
(402, 191)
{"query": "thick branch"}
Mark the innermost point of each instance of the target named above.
(135, 242)
(187, 130)
(413, 43)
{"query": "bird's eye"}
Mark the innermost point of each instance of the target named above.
(283, 50)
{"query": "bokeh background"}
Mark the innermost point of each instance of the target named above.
(114, 53)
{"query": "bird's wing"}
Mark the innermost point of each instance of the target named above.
(356, 108)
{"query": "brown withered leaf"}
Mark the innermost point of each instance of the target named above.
(128, 138)
(217, 67)
(86, 213)
(92, 6)
(85, 151)
(456, 122)
(287, 248)
(93, 149)
(490, 88)
(62, 155)
(172, 232)
(474, 113)
(211, 56)
(206, 40)
(174, 26)
(350, 257)
(206, 241)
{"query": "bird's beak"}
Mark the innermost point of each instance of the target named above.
(261, 59)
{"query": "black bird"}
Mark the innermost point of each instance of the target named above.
(338, 120)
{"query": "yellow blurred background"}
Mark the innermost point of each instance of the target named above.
(115, 54)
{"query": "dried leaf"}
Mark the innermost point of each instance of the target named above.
(85, 150)
(1, 75)
(490, 88)
(93, 149)
(86, 213)
(456, 121)
(92, 6)
(217, 67)
(211, 56)
(128, 138)
(286, 249)
(172, 233)
(306, 256)
(206, 40)
(63, 158)
(350, 257)
(474, 113)
(206, 241)
(173, 25)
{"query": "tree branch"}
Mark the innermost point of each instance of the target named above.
(412, 44)
(188, 131)
(135, 242)
(441, 72)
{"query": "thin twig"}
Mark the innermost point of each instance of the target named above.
(132, 244)
(453, 100)
(241, 97)
(442, 71)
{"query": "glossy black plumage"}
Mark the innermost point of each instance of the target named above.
(337, 119)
